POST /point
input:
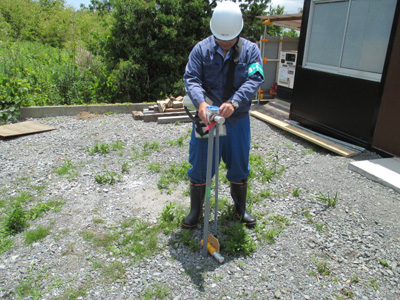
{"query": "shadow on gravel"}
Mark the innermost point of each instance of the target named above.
(195, 265)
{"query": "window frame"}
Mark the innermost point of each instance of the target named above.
(339, 70)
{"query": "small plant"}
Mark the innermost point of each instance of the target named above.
(171, 218)
(5, 243)
(268, 230)
(347, 294)
(107, 177)
(67, 169)
(237, 240)
(40, 208)
(327, 199)
(99, 148)
(114, 271)
(154, 167)
(187, 239)
(296, 192)
(322, 269)
(39, 233)
(118, 145)
(156, 291)
(260, 171)
(355, 279)
(177, 143)
(174, 174)
(308, 217)
(319, 227)
(16, 221)
(373, 283)
(384, 263)
(125, 168)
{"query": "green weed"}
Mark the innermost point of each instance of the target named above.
(99, 148)
(16, 221)
(174, 174)
(178, 142)
(187, 238)
(322, 269)
(156, 291)
(67, 169)
(327, 199)
(125, 168)
(373, 283)
(237, 240)
(171, 218)
(108, 177)
(296, 192)
(117, 145)
(269, 229)
(37, 234)
(260, 171)
(114, 271)
(384, 263)
(154, 167)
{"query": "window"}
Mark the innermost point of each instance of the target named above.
(349, 37)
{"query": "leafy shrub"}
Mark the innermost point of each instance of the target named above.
(16, 221)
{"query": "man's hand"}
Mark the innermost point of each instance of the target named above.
(226, 110)
(203, 112)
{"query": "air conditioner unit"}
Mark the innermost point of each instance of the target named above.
(287, 69)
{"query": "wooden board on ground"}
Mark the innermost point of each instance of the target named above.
(338, 149)
(27, 127)
(166, 120)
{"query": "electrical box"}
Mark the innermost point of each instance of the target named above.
(287, 68)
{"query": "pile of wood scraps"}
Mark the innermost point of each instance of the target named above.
(170, 110)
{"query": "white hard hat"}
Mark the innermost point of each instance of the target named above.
(226, 22)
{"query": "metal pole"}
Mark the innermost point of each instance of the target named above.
(208, 188)
(216, 157)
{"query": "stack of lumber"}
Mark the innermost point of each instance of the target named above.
(165, 111)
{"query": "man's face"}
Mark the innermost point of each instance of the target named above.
(226, 45)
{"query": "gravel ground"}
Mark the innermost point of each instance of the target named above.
(350, 251)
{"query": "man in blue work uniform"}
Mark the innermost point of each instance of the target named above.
(226, 70)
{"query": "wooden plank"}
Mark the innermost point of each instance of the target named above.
(23, 128)
(166, 120)
(305, 135)
(137, 115)
(153, 117)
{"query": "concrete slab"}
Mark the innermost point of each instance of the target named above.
(385, 171)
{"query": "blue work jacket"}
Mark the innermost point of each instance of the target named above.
(206, 75)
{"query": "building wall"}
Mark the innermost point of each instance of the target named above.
(346, 107)
(387, 137)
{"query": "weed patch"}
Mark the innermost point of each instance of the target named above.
(37, 234)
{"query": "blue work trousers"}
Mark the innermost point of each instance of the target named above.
(234, 149)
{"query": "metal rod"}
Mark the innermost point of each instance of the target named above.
(216, 157)
(208, 188)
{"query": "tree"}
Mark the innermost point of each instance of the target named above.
(150, 43)
(251, 9)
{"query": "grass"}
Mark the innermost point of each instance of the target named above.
(384, 263)
(322, 269)
(173, 175)
(37, 234)
(156, 291)
(132, 238)
(267, 230)
(265, 172)
(107, 177)
(331, 202)
(67, 169)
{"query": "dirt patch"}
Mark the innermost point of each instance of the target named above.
(85, 115)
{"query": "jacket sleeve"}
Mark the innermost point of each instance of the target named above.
(193, 77)
(245, 94)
